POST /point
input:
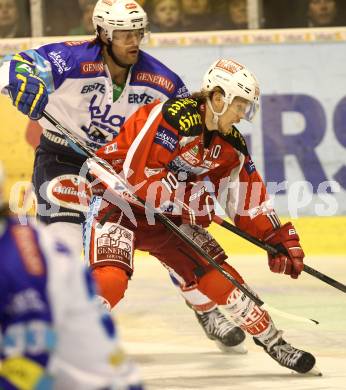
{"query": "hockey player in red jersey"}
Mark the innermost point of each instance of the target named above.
(179, 156)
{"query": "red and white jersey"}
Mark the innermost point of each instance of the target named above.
(164, 145)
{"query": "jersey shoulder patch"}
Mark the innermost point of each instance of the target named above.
(183, 115)
(236, 139)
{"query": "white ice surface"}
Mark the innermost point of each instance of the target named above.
(162, 335)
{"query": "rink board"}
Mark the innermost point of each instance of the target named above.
(162, 335)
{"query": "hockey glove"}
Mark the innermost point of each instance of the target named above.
(198, 206)
(29, 94)
(286, 240)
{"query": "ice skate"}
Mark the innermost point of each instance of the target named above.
(228, 337)
(290, 357)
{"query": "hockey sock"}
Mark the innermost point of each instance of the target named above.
(193, 297)
(216, 287)
(197, 300)
(111, 282)
(249, 316)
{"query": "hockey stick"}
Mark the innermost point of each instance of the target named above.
(272, 250)
(121, 185)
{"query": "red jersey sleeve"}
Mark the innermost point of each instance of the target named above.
(248, 203)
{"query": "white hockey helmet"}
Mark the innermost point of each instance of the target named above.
(236, 81)
(113, 15)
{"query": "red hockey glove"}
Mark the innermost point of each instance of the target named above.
(286, 240)
(198, 207)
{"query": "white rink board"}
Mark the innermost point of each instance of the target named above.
(298, 138)
(161, 334)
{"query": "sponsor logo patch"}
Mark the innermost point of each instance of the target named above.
(166, 138)
(183, 92)
(111, 148)
(91, 67)
(70, 191)
(183, 114)
(93, 87)
(229, 66)
(250, 167)
(23, 68)
(58, 61)
(190, 158)
(26, 301)
(104, 126)
(142, 98)
(152, 171)
(114, 243)
(131, 6)
(155, 79)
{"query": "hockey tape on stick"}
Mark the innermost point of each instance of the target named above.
(119, 185)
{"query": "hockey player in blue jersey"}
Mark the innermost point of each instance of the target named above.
(92, 87)
(53, 332)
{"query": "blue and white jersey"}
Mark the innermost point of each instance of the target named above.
(53, 332)
(81, 89)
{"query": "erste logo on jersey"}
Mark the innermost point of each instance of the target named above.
(155, 79)
(143, 98)
(70, 191)
(229, 66)
(96, 87)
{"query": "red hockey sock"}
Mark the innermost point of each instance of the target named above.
(216, 286)
(111, 282)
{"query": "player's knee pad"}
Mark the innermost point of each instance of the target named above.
(246, 313)
(111, 283)
(215, 286)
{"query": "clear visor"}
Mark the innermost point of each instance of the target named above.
(140, 35)
(251, 111)
(244, 108)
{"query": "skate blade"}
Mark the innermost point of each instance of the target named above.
(239, 349)
(315, 371)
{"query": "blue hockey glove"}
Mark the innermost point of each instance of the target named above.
(29, 94)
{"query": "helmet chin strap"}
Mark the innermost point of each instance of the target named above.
(114, 58)
(216, 115)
